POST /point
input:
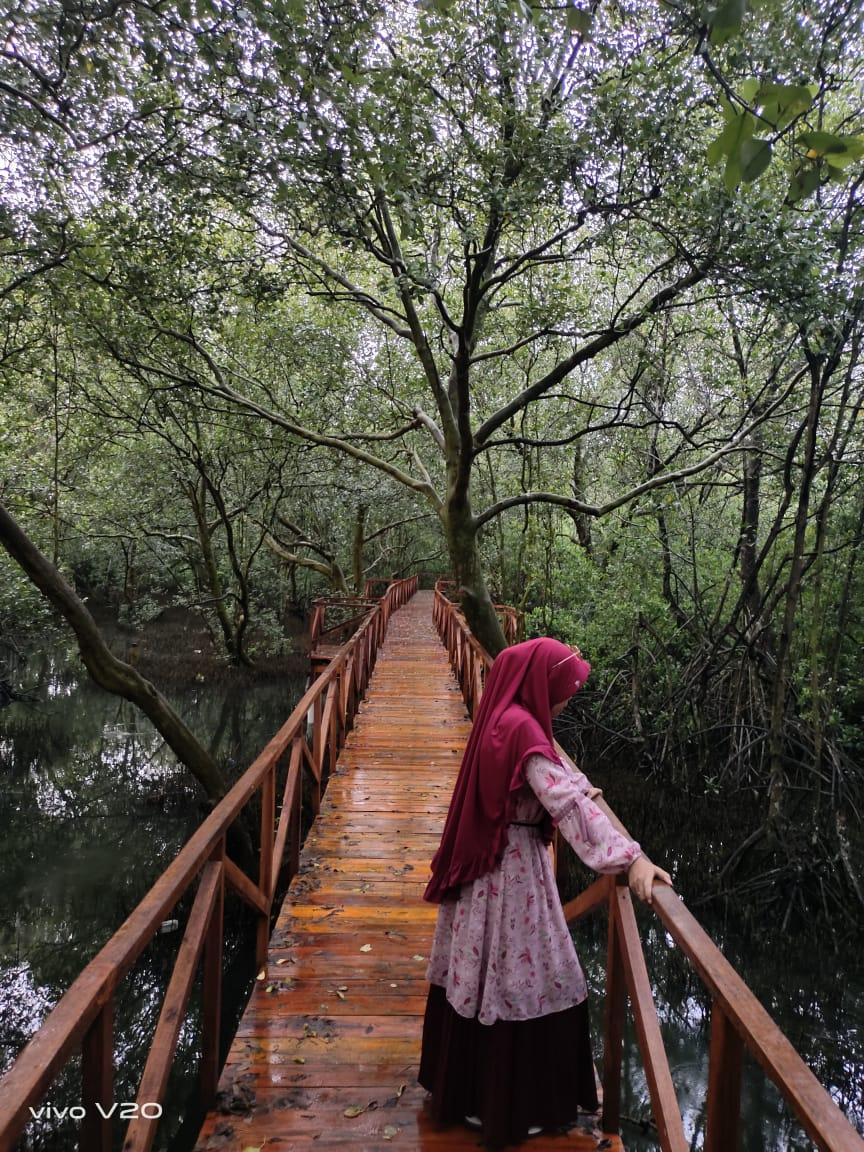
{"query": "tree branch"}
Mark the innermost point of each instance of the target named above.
(657, 481)
(588, 352)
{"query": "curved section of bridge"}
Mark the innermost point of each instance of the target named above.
(327, 1051)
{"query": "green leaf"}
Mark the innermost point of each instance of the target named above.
(755, 158)
(836, 151)
(781, 103)
(727, 141)
(578, 20)
(732, 175)
(729, 110)
(725, 19)
(840, 160)
(770, 112)
(716, 149)
(803, 184)
(748, 89)
(822, 142)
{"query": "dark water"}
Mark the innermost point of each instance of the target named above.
(93, 808)
(814, 993)
(817, 1001)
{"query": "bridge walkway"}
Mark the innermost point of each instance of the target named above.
(327, 1051)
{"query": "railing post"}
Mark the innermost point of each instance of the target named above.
(317, 752)
(211, 991)
(97, 1081)
(342, 700)
(332, 735)
(295, 828)
(723, 1127)
(613, 1029)
(317, 622)
(265, 863)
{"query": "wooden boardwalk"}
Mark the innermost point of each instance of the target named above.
(327, 1051)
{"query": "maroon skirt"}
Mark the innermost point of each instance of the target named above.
(513, 1074)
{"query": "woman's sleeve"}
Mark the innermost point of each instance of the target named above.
(582, 824)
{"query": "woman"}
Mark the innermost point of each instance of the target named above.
(506, 1040)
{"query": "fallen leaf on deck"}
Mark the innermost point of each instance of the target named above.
(239, 1098)
(282, 961)
(261, 974)
(389, 1131)
(418, 957)
(366, 948)
(400, 1090)
(359, 1109)
(299, 1059)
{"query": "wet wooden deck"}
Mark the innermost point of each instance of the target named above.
(327, 1051)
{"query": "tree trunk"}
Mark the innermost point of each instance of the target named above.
(477, 604)
(239, 622)
(581, 522)
(107, 670)
(357, 551)
(778, 782)
(210, 571)
(329, 568)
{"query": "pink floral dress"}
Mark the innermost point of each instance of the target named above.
(502, 950)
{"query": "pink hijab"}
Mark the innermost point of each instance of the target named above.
(513, 721)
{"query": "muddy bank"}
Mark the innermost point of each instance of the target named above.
(176, 647)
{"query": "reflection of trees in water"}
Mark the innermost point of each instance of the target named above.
(138, 1002)
(819, 1013)
(92, 809)
(815, 994)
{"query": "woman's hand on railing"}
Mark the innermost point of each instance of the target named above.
(641, 876)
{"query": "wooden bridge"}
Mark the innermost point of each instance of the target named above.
(327, 1051)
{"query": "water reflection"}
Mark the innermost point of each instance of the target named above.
(92, 810)
(821, 1015)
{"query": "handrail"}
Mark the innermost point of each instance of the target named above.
(319, 612)
(738, 1020)
(84, 1016)
(512, 619)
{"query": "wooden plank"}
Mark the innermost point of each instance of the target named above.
(664, 1102)
(613, 1029)
(244, 887)
(723, 1125)
(142, 1128)
(97, 1081)
(332, 1026)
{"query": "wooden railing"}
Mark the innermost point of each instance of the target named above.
(512, 621)
(738, 1020)
(349, 609)
(376, 585)
(83, 1018)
